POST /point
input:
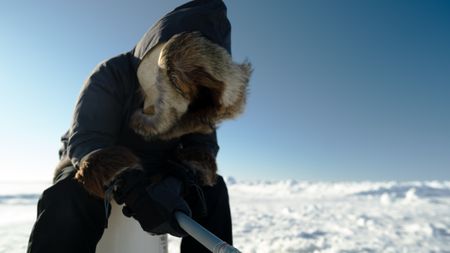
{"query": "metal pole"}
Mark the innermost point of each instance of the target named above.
(203, 236)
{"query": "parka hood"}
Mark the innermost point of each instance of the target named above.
(209, 17)
(188, 80)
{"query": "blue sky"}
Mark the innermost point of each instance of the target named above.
(342, 90)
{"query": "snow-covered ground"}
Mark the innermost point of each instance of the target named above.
(295, 216)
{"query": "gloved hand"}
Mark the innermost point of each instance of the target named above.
(192, 191)
(152, 205)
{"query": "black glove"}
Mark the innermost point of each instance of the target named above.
(152, 205)
(192, 192)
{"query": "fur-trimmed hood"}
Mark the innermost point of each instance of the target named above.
(206, 16)
(188, 80)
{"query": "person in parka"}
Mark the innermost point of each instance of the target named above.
(144, 126)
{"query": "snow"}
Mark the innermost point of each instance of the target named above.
(296, 216)
(341, 217)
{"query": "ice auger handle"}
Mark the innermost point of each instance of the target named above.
(203, 236)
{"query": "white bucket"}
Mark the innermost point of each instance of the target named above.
(125, 235)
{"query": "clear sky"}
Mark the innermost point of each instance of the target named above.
(342, 90)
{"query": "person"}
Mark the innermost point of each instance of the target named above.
(145, 125)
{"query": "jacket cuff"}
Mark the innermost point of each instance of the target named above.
(101, 167)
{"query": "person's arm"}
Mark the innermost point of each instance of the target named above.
(201, 142)
(198, 152)
(97, 121)
(97, 116)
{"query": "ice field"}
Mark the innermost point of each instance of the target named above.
(296, 216)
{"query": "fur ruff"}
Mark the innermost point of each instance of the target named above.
(99, 168)
(202, 163)
(190, 85)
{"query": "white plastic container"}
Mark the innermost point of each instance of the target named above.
(125, 235)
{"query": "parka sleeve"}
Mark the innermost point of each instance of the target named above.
(98, 114)
(199, 152)
(201, 143)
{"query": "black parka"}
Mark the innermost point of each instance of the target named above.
(111, 93)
